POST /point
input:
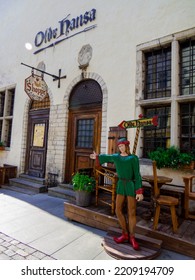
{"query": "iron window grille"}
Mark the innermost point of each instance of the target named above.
(85, 131)
(187, 127)
(154, 137)
(187, 68)
(158, 74)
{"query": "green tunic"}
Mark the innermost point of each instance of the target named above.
(127, 168)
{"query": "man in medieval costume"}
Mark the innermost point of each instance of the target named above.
(129, 186)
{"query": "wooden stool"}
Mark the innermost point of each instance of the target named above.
(170, 202)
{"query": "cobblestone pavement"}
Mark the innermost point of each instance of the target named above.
(12, 249)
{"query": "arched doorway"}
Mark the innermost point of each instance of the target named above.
(84, 126)
(38, 123)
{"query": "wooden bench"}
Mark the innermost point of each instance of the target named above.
(7, 172)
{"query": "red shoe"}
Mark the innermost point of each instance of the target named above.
(122, 239)
(134, 243)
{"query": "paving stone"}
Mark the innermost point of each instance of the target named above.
(6, 244)
(10, 253)
(39, 255)
(7, 238)
(1, 240)
(2, 248)
(18, 257)
(15, 242)
(31, 257)
(12, 249)
(22, 253)
(4, 257)
(26, 248)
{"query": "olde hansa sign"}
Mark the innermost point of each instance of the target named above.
(139, 123)
(65, 29)
(36, 87)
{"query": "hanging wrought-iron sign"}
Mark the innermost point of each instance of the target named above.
(36, 87)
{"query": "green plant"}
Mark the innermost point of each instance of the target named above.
(1, 144)
(170, 157)
(82, 182)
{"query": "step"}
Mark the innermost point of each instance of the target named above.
(66, 186)
(18, 189)
(26, 184)
(62, 192)
(38, 180)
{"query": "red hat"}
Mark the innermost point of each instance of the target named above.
(123, 141)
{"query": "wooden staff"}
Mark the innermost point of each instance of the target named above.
(136, 140)
(136, 137)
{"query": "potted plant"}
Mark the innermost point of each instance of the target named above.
(83, 185)
(2, 146)
(171, 158)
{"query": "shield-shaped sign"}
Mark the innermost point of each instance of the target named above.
(36, 87)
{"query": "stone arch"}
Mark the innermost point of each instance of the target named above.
(100, 81)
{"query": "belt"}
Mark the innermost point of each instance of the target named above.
(125, 180)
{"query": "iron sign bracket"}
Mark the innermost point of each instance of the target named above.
(55, 78)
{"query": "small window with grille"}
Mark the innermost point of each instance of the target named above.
(85, 131)
(6, 115)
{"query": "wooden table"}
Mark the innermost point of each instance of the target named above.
(161, 180)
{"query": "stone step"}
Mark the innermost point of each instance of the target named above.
(63, 190)
(37, 180)
(27, 184)
(18, 189)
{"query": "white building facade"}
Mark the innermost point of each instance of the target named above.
(116, 60)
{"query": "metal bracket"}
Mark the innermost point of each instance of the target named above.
(55, 78)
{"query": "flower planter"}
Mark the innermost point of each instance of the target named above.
(190, 166)
(83, 198)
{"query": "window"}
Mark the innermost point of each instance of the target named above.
(187, 73)
(158, 73)
(6, 115)
(157, 136)
(187, 120)
(166, 88)
(157, 85)
(85, 130)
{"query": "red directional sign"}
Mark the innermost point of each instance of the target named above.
(139, 123)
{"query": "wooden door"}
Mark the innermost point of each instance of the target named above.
(37, 143)
(84, 136)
